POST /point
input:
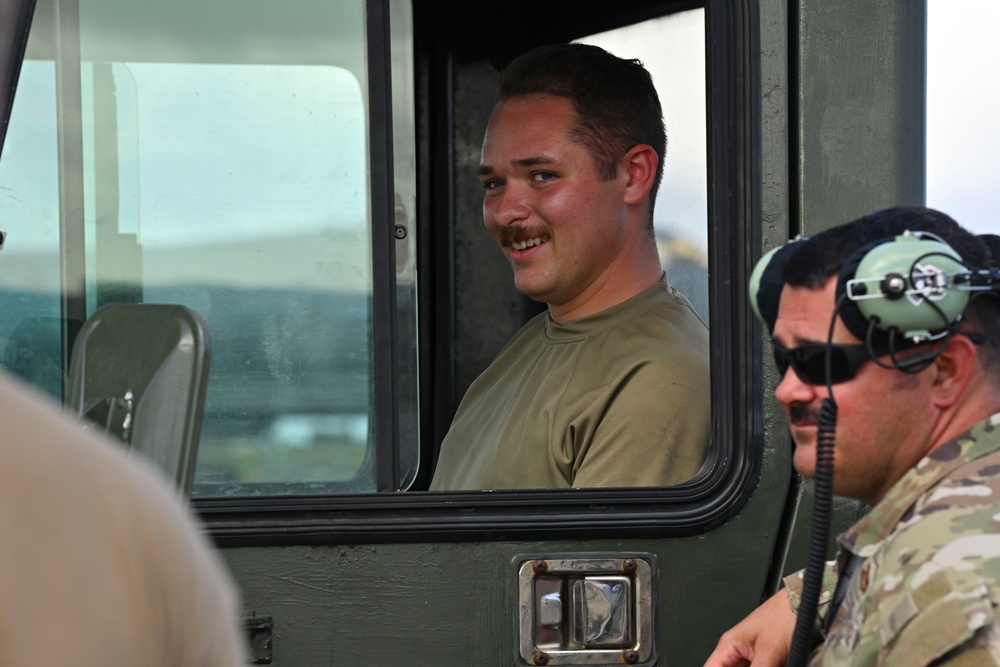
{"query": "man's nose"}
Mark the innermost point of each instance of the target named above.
(792, 389)
(510, 206)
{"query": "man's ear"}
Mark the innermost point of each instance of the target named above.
(953, 370)
(640, 168)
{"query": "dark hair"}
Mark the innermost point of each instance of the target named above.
(614, 99)
(823, 255)
(992, 243)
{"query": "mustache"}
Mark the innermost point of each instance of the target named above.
(803, 414)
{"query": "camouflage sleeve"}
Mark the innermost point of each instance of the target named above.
(793, 583)
(936, 586)
(949, 619)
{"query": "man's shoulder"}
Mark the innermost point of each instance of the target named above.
(937, 573)
(953, 527)
(665, 301)
(971, 489)
(660, 312)
(668, 331)
(657, 328)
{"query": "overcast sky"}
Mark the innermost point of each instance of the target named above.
(672, 48)
(963, 135)
(962, 150)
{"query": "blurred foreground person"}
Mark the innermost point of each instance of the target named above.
(99, 562)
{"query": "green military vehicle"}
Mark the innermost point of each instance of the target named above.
(303, 175)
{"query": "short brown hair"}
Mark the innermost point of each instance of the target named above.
(614, 99)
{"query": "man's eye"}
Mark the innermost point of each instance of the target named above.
(543, 176)
(492, 184)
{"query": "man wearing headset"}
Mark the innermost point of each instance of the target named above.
(917, 437)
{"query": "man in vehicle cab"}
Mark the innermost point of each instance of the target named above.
(917, 580)
(610, 386)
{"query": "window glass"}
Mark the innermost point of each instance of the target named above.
(963, 138)
(217, 154)
(30, 325)
(672, 48)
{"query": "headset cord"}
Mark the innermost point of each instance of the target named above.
(805, 625)
(804, 637)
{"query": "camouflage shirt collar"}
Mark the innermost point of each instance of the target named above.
(865, 536)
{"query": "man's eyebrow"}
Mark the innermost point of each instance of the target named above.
(532, 161)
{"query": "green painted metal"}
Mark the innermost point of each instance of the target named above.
(854, 144)
(842, 113)
(845, 137)
(453, 604)
(842, 132)
(860, 108)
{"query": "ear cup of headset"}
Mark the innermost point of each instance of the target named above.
(767, 280)
(884, 271)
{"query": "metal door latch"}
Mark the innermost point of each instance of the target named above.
(586, 609)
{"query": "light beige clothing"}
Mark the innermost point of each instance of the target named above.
(100, 564)
(619, 398)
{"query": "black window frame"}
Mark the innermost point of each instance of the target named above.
(15, 21)
(733, 89)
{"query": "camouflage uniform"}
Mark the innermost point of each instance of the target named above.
(927, 578)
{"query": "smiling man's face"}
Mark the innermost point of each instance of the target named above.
(562, 228)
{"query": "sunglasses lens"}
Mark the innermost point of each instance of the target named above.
(782, 358)
(809, 362)
(841, 369)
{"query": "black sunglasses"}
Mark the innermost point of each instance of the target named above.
(809, 361)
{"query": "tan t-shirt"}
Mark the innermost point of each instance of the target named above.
(99, 562)
(620, 398)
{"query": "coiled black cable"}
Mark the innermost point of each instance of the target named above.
(804, 637)
(805, 624)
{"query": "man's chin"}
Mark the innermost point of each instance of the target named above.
(534, 289)
(804, 459)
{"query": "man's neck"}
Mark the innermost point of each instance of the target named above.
(634, 272)
(599, 297)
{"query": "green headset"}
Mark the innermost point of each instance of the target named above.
(767, 280)
(893, 293)
(914, 284)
